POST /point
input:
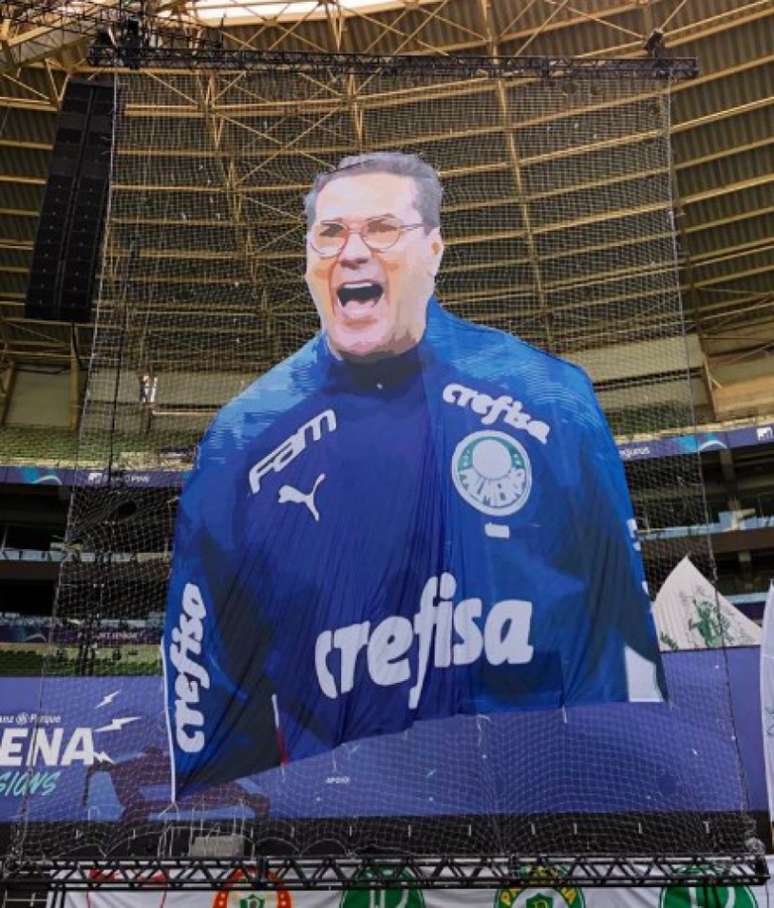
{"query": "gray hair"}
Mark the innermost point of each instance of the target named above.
(428, 187)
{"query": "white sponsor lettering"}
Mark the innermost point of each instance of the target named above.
(12, 745)
(191, 676)
(490, 409)
(283, 454)
(452, 632)
(497, 531)
(32, 746)
(633, 453)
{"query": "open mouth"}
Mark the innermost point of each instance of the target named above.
(364, 293)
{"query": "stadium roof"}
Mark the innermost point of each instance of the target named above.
(217, 12)
(721, 123)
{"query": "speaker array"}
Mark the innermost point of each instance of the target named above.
(64, 261)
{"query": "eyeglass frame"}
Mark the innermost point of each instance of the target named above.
(350, 230)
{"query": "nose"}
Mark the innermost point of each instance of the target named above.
(355, 251)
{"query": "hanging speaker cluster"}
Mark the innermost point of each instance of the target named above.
(67, 245)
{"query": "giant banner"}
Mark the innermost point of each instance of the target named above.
(412, 517)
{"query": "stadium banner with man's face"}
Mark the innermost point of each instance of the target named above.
(411, 517)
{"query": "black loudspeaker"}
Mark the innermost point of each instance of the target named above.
(67, 245)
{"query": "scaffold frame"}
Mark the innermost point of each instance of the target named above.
(340, 873)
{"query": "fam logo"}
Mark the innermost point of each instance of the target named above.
(278, 898)
(286, 453)
(540, 896)
(382, 898)
(492, 472)
(707, 897)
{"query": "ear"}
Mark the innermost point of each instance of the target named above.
(436, 247)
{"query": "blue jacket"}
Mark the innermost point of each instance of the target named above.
(362, 546)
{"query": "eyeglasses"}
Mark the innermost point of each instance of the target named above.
(328, 238)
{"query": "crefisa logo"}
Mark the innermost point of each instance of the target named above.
(400, 649)
(184, 652)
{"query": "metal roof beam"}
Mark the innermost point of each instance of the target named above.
(25, 144)
(751, 12)
(39, 44)
(726, 188)
(731, 219)
(27, 104)
(736, 275)
(755, 247)
(725, 113)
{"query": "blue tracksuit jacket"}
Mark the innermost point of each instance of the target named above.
(362, 546)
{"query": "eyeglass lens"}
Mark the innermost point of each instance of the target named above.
(379, 233)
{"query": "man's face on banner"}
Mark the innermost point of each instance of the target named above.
(372, 302)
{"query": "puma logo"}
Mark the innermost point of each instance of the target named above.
(290, 493)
